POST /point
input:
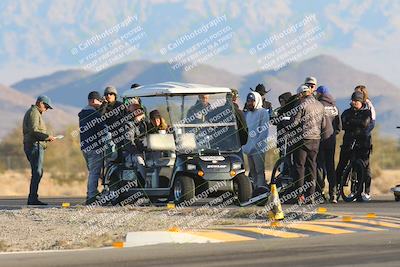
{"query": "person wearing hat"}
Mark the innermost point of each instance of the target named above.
(92, 130)
(157, 123)
(357, 122)
(260, 88)
(114, 111)
(312, 83)
(35, 142)
(310, 123)
(257, 119)
(327, 147)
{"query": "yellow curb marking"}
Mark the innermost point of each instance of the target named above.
(378, 223)
(320, 229)
(348, 225)
(347, 218)
(266, 231)
(321, 210)
(221, 236)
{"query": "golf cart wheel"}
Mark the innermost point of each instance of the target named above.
(242, 188)
(397, 198)
(184, 189)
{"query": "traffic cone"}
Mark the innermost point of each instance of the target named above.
(276, 212)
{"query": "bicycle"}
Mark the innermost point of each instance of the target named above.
(353, 176)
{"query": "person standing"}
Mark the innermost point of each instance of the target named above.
(312, 83)
(35, 141)
(327, 147)
(240, 118)
(311, 123)
(93, 133)
(260, 88)
(114, 111)
(257, 119)
(357, 124)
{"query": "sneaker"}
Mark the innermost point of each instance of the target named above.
(333, 199)
(366, 197)
(36, 202)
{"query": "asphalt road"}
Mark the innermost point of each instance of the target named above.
(382, 205)
(360, 249)
(355, 249)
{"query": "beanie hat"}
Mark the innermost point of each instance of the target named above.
(155, 114)
(322, 89)
(94, 95)
(357, 96)
(110, 90)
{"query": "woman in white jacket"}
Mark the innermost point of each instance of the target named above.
(257, 119)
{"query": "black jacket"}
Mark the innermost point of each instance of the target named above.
(92, 129)
(332, 117)
(356, 125)
(114, 113)
(241, 124)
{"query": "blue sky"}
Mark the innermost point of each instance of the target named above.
(37, 36)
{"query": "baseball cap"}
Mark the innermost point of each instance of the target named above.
(310, 80)
(94, 95)
(251, 97)
(46, 100)
(322, 89)
(357, 96)
(110, 90)
(303, 88)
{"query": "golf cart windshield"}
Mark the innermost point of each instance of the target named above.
(203, 122)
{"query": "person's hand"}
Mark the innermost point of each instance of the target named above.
(51, 138)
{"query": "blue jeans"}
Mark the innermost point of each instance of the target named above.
(94, 163)
(35, 154)
(257, 168)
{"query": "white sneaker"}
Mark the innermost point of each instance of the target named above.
(366, 197)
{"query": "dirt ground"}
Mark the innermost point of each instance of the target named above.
(17, 184)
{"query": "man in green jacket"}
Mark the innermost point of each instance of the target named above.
(35, 142)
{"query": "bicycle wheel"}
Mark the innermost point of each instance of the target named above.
(352, 181)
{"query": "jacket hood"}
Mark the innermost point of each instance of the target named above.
(259, 102)
(327, 99)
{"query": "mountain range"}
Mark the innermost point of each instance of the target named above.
(69, 88)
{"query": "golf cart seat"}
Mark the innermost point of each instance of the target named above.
(161, 150)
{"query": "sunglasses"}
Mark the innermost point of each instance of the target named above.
(310, 85)
(109, 94)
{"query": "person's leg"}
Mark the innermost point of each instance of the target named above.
(252, 169)
(321, 170)
(330, 171)
(259, 165)
(310, 171)
(298, 168)
(94, 163)
(35, 155)
(344, 158)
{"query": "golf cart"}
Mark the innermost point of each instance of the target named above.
(198, 156)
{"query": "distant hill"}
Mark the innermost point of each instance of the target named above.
(44, 84)
(331, 72)
(15, 104)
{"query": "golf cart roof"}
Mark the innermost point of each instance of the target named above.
(171, 88)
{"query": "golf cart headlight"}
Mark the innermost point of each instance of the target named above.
(236, 166)
(190, 167)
